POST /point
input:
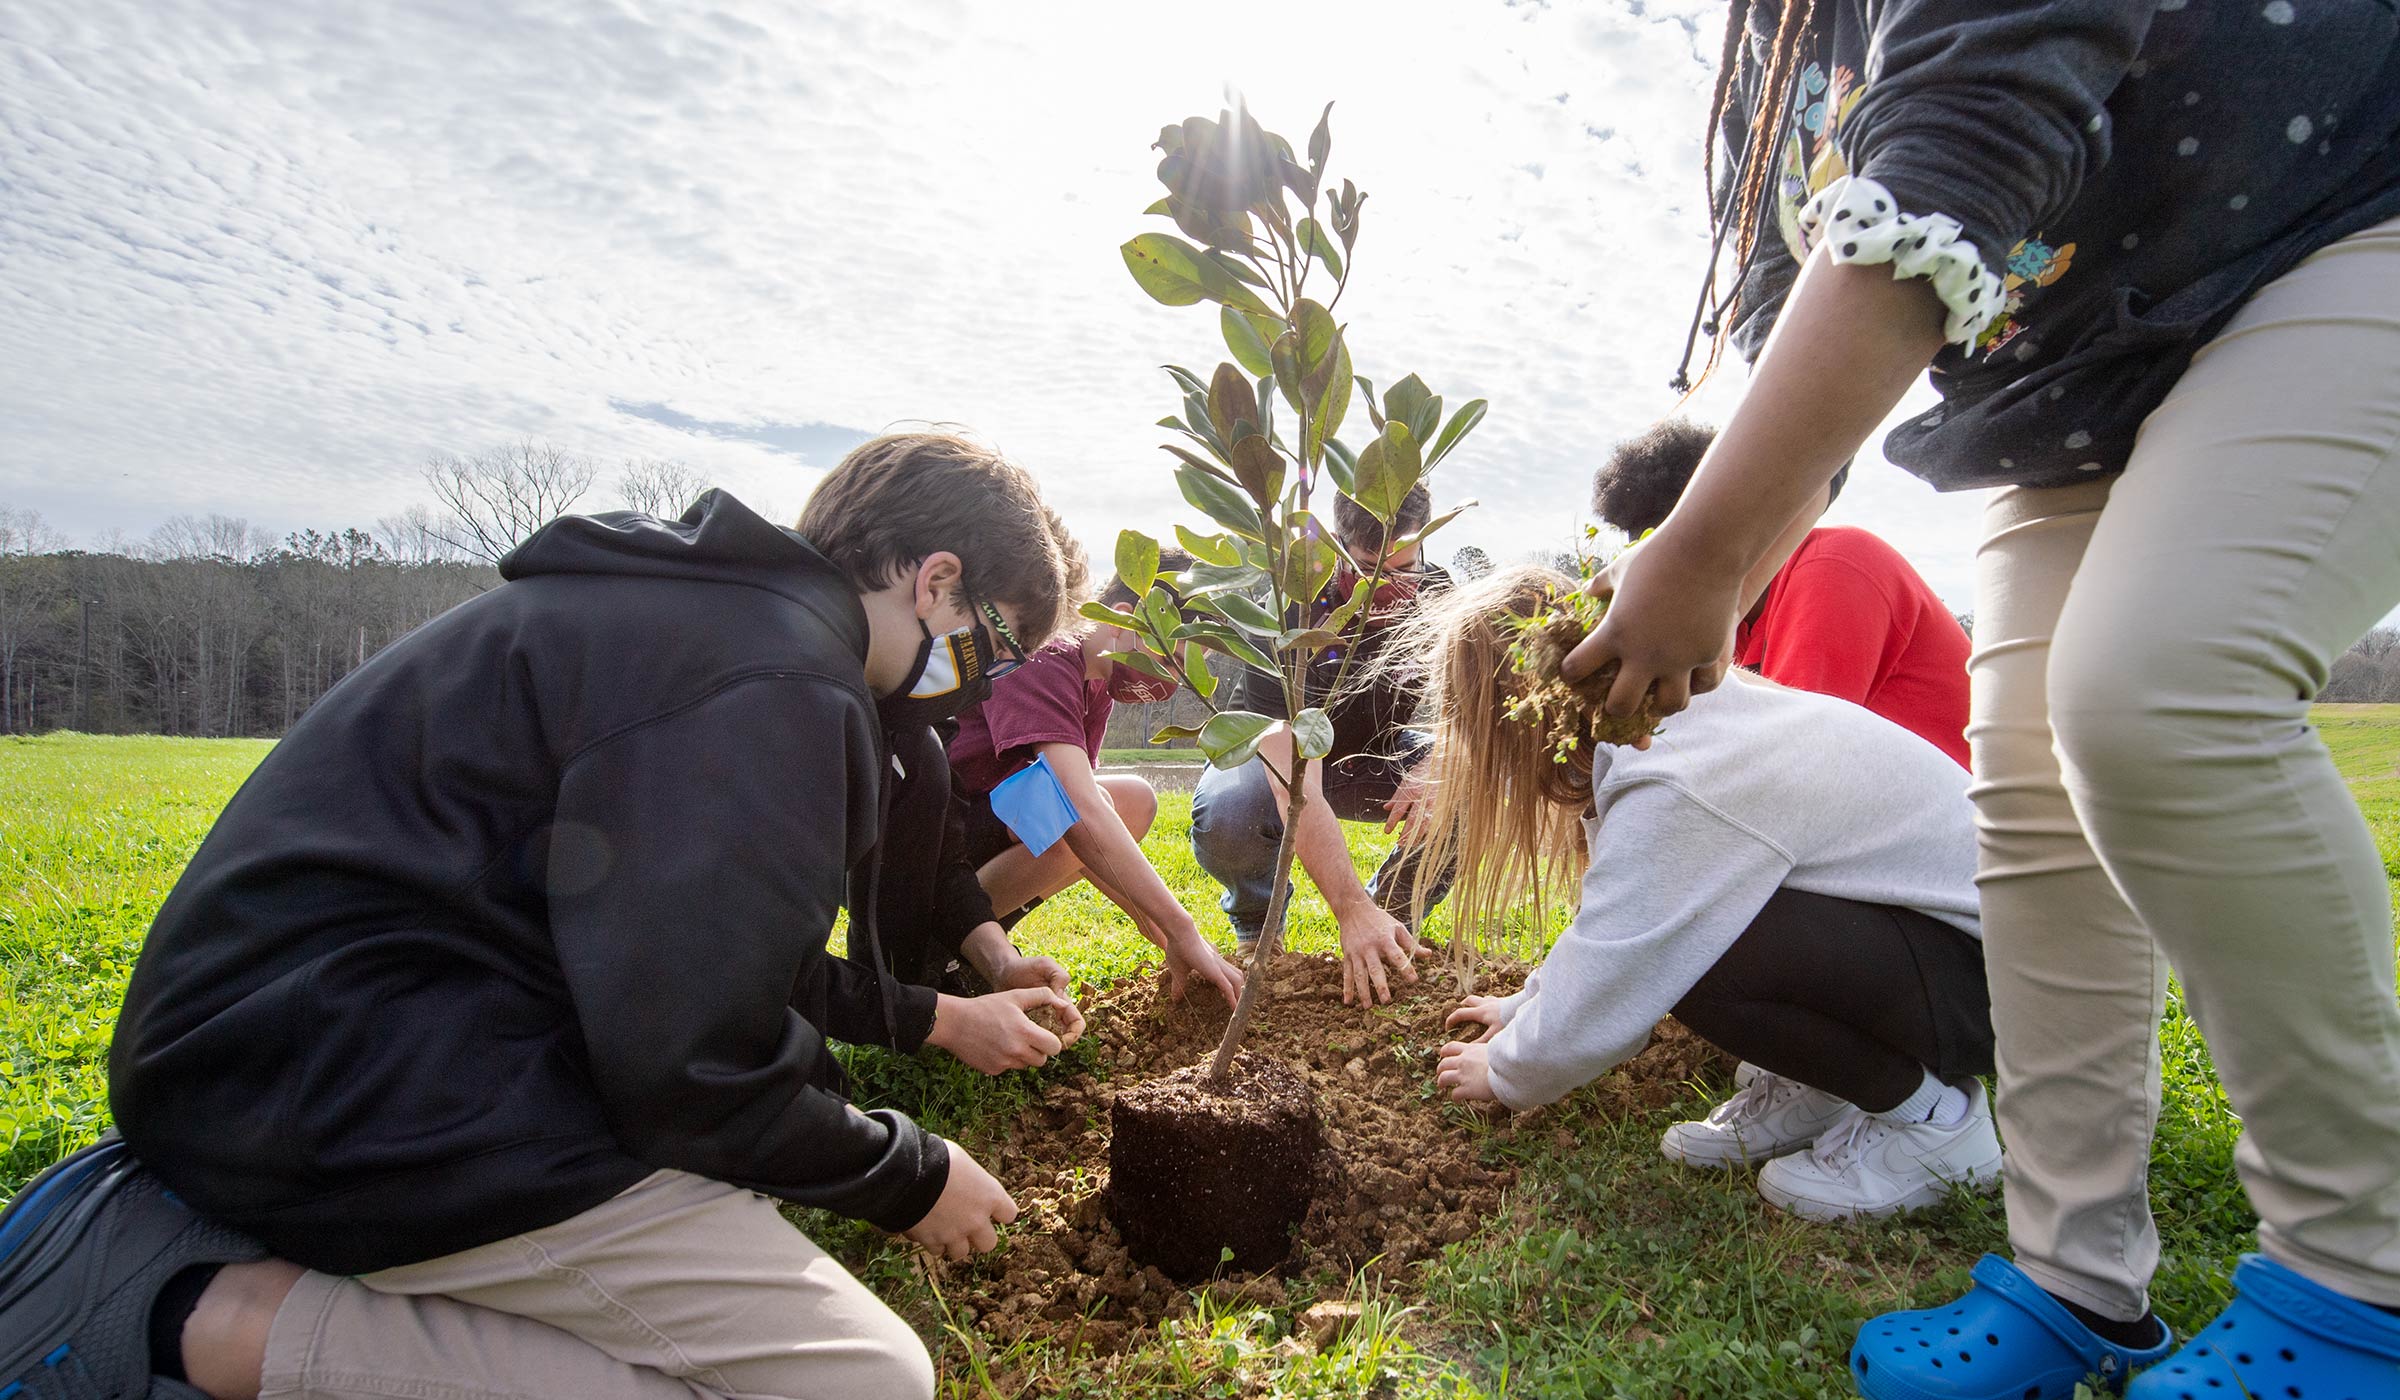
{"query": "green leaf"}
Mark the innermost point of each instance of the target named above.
(1334, 404)
(1388, 468)
(1220, 501)
(1313, 239)
(1312, 730)
(1417, 536)
(1342, 462)
(1318, 336)
(1231, 402)
(1308, 639)
(1284, 354)
(1349, 609)
(1141, 661)
(1137, 560)
(1231, 738)
(1243, 339)
(1248, 612)
(1258, 468)
(1208, 549)
(1175, 273)
(1410, 402)
(1188, 381)
(1158, 208)
(1308, 567)
(1175, 731)
(1320, 141)
(1208, 580)
(1094, 610)
(1374, 414)
(1235, 645)
(1159, 619)
(1239, 270)
(1461, 423)
(1196, 674)
(1199, 463)
(1266, 405)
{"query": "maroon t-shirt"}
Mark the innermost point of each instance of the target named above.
(1045, 701)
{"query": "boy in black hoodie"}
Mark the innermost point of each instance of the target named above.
(503, 984)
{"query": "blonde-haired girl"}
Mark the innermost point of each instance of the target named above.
(1790, 874)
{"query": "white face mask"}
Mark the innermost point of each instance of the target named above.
(951, 660)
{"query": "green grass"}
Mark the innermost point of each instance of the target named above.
(1609, 1272)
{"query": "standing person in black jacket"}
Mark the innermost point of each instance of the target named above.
(503, 985)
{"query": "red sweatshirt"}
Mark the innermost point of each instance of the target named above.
(1848, 617)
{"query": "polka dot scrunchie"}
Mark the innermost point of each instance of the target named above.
(1862, 223)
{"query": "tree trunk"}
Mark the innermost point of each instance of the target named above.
(1270, 937)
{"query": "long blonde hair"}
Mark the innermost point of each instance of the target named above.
(1500, 804)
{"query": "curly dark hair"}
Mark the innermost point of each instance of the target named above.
(1644, 477)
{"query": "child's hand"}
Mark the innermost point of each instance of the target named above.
(1024, 972)
(1467, 1071)
(964, 1217)
(1489, 1013)
(994, 1033)
(1193, 956)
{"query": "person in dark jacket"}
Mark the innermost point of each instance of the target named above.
(496, 1006)
(2150, 251)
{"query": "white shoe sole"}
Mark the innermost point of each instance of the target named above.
(1982, 1178)
(1721, 1156)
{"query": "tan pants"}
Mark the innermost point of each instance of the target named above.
(2148, 789)
(679, 1287)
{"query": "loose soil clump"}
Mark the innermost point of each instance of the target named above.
(1401, 1172)
(1203, 1173)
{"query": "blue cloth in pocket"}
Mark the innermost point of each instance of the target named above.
(1034, 806)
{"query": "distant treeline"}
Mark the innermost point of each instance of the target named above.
(204, 629)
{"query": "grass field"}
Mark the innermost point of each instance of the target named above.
(1609, 1272)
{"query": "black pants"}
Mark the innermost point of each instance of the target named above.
(1858, 1000)
(926, 897)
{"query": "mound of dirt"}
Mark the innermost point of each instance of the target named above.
(1402, 1174)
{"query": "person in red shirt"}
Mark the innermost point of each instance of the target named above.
(1055, 708)
(1836, 610)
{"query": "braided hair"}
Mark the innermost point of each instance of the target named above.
(1737, 213)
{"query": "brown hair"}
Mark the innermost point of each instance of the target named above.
(904, 496)
(1499, 806)
(1363, 535)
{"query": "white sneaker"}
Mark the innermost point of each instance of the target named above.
(1867, 1166)
(1767, 1116)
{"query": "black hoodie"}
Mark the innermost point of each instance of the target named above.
(534, 903)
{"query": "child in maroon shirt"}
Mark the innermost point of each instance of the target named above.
(1841, 613)
(1055, 708)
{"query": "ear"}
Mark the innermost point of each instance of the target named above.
(938, 577)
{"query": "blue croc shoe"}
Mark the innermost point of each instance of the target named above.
(2283, 1336)
(84, 1250)
(2005, 1339)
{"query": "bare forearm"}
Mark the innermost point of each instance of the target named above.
(1849, 344)
(1317, 837)
(1113, 861)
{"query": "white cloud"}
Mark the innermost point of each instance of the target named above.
(264, 258)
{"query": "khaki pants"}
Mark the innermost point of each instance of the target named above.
(2148, 789)
(679, 1287)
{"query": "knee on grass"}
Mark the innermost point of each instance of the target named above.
(1135, 800)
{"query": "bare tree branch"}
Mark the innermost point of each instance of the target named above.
(490, 502)
(659, 486)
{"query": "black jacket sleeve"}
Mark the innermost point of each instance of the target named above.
(1990, 111)
(727, 828)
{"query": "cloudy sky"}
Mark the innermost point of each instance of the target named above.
(262, 259)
